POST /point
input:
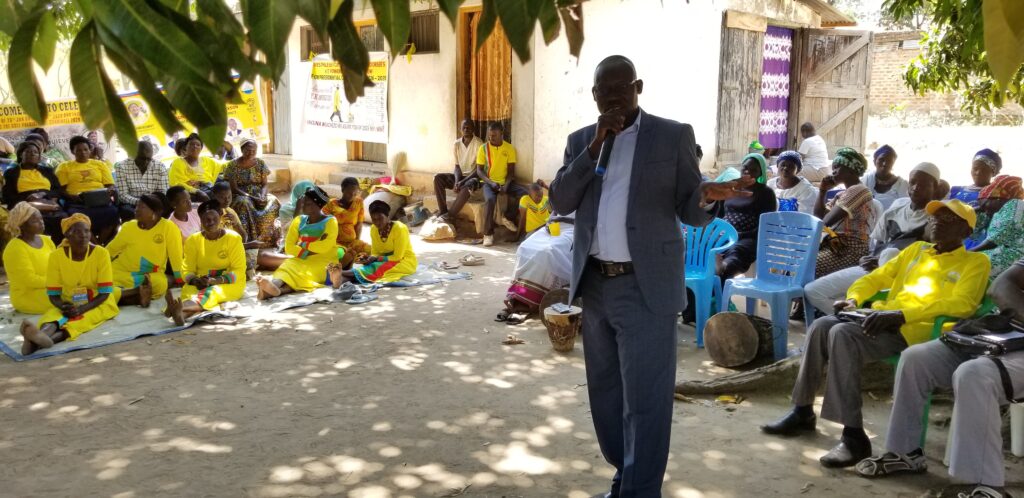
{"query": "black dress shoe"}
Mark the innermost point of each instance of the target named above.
(790, 424)
(846, 454)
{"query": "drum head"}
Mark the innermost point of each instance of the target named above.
(552, 297)
(731, 339)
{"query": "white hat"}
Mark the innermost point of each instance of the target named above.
(929, 168)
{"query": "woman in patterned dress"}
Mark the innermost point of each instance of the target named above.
(1001, 207)
(256, 208)
(744, 213)
(849, 217)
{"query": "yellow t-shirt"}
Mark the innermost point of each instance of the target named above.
(537, 213)
(206, 171)
(500, 157)
(83, 177)
(32, 179)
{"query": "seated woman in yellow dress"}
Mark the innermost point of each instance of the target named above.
(142, 250)
(391, 256)
(214, 267)
(80, 285)
(197, 174)
(25, 259)
(349, 212)
(83, 183)
(312, 243)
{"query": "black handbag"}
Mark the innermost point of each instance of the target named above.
(990, 335)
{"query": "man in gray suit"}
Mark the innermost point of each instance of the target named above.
(628, 266)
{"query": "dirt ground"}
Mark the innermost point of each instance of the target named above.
(412, 395)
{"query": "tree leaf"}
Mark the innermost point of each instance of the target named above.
(153, 39)
(450, 8)
(221, 17)
(572, 17)
(1004, 39)
(98, 102)
(204, 108)
(46, 41)
(488, 18)
(335, 5)
(550, 24)
(348, 49)
(315, 12)
(395, 21)
(518, 20)
(270, 24)
(161, 108)
(22, 74)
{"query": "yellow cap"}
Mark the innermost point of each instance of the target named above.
(957, 207)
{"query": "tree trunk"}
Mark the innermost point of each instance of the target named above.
(780, 376)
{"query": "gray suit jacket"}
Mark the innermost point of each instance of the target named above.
(663, 190)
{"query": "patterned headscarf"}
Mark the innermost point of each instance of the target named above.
(756, 145)
(885, 149)
(990, 158)
(851, 160)
(791, 155)
(18, 216)
(1002, 187)
(762, 162)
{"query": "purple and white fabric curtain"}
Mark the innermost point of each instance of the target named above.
(778, 47)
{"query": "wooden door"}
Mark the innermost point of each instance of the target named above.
(835, 76)
(739, 100)
(484, 79)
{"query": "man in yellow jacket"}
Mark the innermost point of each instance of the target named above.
(925, 281)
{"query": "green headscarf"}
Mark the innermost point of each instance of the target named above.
(850, 159)
(756, 145)
(298, 191)
(762, 162)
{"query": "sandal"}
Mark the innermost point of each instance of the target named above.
(982, 491)
(471, 260)
(502, 316)
(446, 266)
(516, 318)
(890, 463)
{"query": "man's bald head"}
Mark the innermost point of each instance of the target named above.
(617, 64)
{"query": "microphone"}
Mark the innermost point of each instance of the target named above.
(604, 155)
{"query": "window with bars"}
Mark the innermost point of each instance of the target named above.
(372, 38)
(424, 33)
(311, 44)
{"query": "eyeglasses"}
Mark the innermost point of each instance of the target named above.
(606, 90)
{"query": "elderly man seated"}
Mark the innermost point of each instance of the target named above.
(901, 225)
(926, 280)
(976, 457)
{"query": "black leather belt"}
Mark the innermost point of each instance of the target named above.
(611, 268)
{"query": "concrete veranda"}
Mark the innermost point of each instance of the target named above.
(411, 395)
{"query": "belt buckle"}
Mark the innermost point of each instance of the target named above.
(612, 269)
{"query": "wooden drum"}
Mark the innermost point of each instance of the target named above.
(563, 327)
(733, 339)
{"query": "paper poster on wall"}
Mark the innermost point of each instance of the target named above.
(327, 111)
(245, 120)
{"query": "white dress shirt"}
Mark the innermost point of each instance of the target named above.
(610, 240)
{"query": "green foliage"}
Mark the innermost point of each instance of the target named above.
(190, 48)
(954, 57)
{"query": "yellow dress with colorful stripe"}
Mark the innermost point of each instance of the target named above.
(348, 219)
(78, 282)
(26, 271)
(312, 246)
(399, 260)
(206, 171)
(138, 253)
(224, 257)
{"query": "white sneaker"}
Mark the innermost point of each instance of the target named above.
(488, 240)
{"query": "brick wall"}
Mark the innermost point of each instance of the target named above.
(892, 52)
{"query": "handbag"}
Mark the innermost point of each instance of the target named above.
(96, 198)
(991, 335)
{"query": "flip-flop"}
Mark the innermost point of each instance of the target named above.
(446, 266)
(361, 299)
(471, 260)
(502, 316)
(516, 318)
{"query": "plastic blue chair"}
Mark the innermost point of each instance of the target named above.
(702, 245)
(787, 250)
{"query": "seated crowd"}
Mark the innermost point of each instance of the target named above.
(911, 250)
(87, 237)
